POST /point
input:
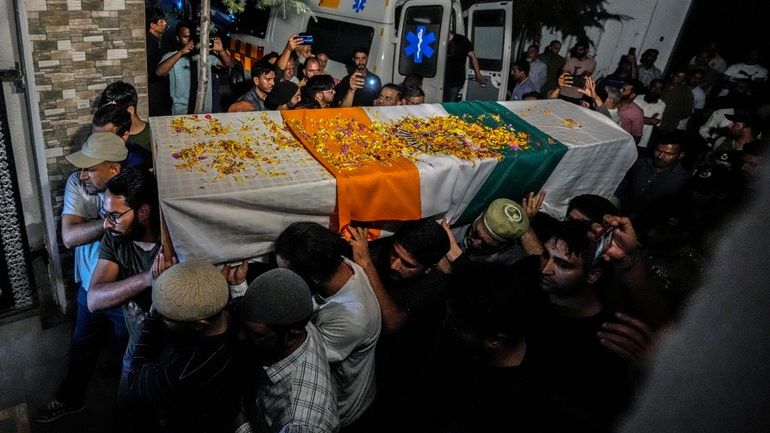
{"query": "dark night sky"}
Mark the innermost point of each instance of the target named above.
(735, 25)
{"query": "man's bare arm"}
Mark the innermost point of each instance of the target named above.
(293, 42)
(529, 240)
(165, 66)
(638, 292)
(106, 291)
(240, 107)
(220, 51)
(393, 317)
(476, 68)
(355, 83)
(76, 230)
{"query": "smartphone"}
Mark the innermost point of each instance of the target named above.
(632, 51)
(602, 242)
(307, 38)
(371, 82)
(578, 81)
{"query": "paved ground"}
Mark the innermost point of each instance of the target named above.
(33, 360)
(32, 363)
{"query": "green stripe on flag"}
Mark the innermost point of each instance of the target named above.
(521, 171)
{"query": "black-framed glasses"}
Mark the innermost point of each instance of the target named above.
(111, 217)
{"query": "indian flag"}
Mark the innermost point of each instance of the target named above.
(230, 183)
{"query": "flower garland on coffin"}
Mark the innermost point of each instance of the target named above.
(411, 137)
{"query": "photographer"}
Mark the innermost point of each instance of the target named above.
(361, 87)
(580, 66)
(182, 70)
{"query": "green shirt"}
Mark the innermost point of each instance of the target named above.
(143, 139)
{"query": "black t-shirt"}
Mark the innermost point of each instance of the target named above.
(364, 97)
(131, 260)
(155, 52)
(158, 87)
(588, 385)
(457, 51)
(493, 399)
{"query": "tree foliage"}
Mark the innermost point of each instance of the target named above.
(568, 17)
(297, 6)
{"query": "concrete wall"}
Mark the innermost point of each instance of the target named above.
(78, 47)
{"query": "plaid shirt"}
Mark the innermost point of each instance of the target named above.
(296, 393)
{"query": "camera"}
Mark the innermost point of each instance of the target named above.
(307, 38)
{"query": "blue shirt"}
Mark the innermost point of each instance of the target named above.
(522, 89)
(179, 84)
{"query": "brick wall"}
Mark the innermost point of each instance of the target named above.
(80, 46)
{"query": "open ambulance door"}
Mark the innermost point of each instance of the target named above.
(422, 43)
(490, 28)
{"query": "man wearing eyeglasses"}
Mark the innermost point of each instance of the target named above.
(98, 161)
(129, 260)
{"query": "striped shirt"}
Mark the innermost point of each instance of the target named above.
(296, 393)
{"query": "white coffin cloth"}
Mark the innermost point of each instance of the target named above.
(599, 152)
(224, 220)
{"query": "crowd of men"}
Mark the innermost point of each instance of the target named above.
(517, 319)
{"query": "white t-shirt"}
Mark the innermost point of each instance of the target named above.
(740, 71)
(79, 202)
(349, 322)
(716, 121)
(649, 111)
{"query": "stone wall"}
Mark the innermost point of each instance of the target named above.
(80, 46)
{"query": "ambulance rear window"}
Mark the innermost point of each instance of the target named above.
(419, 40)
(338, 39)
(489, 38)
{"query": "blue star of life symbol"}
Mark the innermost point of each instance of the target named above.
(419, 44)
(358, 5)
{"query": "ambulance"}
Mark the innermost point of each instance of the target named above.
(410, 36)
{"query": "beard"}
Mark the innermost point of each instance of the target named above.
(90, 189)
(182, 333)
(132, 233)
(394, 276)
(650, 98)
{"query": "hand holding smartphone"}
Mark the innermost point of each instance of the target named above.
(357, 81)
(602, 242)
(579, 81)
(307, 38)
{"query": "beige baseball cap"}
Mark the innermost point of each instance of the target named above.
(99, 147)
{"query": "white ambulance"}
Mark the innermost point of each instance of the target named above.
(410, 36)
